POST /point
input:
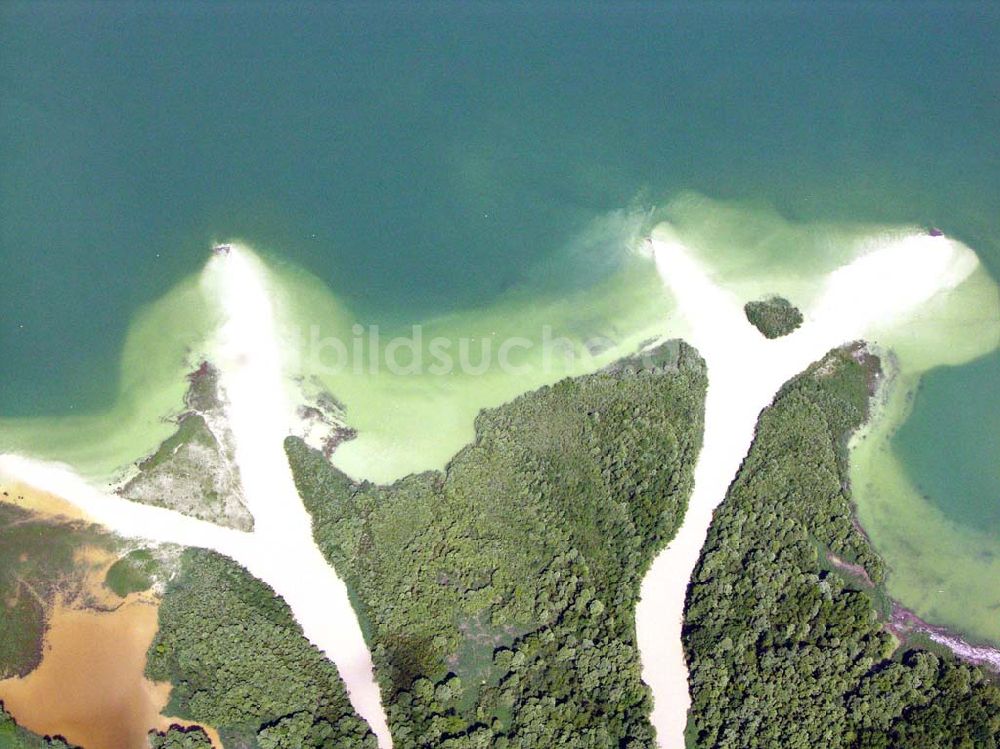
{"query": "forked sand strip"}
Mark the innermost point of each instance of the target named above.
(745, 370)
(281, 550)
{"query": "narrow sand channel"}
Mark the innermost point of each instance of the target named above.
(745, 370)
(280, 551)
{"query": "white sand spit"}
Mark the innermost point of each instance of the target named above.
(745, 370)
(281, 551)
(249, 356)
(121, 515)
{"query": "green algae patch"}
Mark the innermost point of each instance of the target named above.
(773, 317)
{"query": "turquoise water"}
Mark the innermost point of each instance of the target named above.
(955, 460)
(424, 161)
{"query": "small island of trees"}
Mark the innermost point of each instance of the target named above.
(773, 317)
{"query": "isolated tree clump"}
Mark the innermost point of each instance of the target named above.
(180, 738)
(773, 317)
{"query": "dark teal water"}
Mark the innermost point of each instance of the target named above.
(953, 456)
(426, 159)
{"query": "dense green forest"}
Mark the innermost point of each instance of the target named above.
(773, 317)
(784, 626)
(240, 663)
(498, 596)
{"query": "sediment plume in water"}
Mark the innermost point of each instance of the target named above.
(162, 342)
(413, 420)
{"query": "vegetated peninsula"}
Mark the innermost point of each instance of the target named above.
(498, 596)
(773, 317)
(239, 662)
(787, 630)
(193, 471)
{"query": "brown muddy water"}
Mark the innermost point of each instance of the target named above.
(90, 686)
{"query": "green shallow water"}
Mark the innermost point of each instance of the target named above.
(414, 411)
(475, 164)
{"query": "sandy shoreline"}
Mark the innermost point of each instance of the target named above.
(904, 622)
(745, 370)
